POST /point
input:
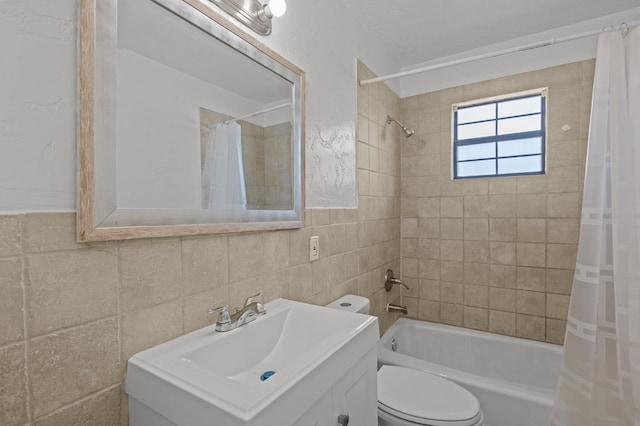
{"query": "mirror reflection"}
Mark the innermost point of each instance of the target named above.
(198, 125)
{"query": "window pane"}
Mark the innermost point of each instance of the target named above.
(477, 168)
(476, 151)
(519, 107)
(520, 124)
(477, 113)
(477, 130)
(520, 147)
(520, 165)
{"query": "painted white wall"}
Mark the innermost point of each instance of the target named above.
(529, 60)
(163, 159)
(37, 105)
(38, 101)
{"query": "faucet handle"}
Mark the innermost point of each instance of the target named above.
(250, 299)
(224, 317)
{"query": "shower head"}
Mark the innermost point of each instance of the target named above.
(406, 130)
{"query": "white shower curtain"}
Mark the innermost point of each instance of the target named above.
(223, 186)
(599, 383)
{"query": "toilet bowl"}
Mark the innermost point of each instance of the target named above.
(408, 397)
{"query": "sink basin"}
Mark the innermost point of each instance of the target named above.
(224, 373)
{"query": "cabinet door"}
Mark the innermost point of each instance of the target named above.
(318, 415)
(355, 394)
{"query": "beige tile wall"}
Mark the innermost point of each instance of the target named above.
(71, 314)
(495, 254)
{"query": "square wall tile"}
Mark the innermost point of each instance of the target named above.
(502, 322)
(70, 288)
(147, 327)
(476, 318)
(13, 385)
(532, 230)
(11, 301)
(530, 327)
(531, 254)
(149, 273)
(502, 299)
(246, 255)
(102, 409)
(204, 264)
(50, 232)
(10, 235)
(70, 365)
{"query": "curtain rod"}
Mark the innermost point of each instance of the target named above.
(503, 52)
(264, 111)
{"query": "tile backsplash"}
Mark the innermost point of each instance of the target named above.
(73, 313)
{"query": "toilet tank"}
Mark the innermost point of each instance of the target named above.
(351, 303)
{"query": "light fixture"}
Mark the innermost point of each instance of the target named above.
(275, 8)
(253, 13)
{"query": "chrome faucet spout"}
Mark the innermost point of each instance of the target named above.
(248, 313)
(397, 308)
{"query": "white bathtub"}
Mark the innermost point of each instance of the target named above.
(514, 379)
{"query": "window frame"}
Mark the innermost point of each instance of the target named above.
(496, 100)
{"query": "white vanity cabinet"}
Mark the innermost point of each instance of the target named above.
(352, 399)
(324, 364)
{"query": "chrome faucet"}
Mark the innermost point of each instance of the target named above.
(248, 313)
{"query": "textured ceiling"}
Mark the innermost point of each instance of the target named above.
(415, 31)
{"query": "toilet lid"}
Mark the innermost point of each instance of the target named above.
(419, 396)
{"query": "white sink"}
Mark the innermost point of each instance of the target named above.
(208, 375)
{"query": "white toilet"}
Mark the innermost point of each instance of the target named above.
(408, 397)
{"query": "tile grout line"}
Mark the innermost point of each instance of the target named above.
(25, 315)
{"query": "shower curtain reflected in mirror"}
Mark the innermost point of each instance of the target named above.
(599, 383)
(223, 185)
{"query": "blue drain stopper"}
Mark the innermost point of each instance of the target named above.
(266, 375)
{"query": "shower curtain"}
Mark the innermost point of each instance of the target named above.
(599, 383)
(223, 186)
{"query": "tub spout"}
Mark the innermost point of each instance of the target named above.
(396, 308)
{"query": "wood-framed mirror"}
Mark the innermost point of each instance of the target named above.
(187, 125)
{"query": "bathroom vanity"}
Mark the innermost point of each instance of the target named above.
(298, 364)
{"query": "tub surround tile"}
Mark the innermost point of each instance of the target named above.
(502, 299)
(452, 314)
(502, 229)
(476, 318)
(428, 310)
(556, 330)
(530, 302)
(533, 279)
(518, 235)
(530, 327)
(502, 276)
(502, 322)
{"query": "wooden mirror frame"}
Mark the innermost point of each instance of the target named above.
(97, 31)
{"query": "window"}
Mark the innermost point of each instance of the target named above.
(500, 136)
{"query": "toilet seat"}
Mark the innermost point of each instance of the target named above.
(425, 399)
